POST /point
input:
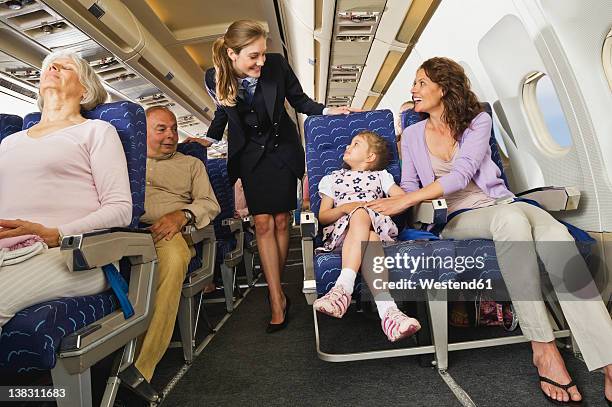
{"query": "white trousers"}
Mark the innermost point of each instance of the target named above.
(43, 278)
(535, 229)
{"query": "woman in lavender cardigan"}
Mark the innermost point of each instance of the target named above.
(449, 155)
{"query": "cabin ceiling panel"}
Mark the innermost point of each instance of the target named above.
(361, 5)
(201, 54)
(183, 14)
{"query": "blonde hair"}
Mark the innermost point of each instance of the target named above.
(94, 90)
(378, 146)
(409, 104)
(240, 34)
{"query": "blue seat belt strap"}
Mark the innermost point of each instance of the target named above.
(120, 288)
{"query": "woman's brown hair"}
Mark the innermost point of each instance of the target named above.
(240, 34)
(460, 104)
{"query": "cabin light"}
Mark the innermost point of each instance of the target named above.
(14, 4)
(46, 28)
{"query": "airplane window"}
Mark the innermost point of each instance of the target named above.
(606, 57)
(546, 117)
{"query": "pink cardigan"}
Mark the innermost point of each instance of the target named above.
(75, 179)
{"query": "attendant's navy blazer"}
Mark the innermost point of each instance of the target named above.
(277, 82)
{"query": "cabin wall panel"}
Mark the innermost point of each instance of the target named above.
(507, 72)
(571, 36)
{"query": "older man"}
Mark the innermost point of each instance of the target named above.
(178, 193)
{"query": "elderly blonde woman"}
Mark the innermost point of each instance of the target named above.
(65, 175)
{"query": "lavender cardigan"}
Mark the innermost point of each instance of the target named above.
(473, 162)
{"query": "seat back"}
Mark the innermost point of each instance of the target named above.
(193, 149)
(130, 122)
(9, 124)
(410, 117)
(224, 192)
(327, 138)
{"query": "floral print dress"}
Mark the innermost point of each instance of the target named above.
(345, 186)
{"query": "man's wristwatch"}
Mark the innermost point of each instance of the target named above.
(189, 215)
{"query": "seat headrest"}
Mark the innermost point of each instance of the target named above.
(9, 124)
(193, 149)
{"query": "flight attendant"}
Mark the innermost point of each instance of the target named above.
(249, 88)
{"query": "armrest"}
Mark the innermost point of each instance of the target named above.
(554, 199)
(233, 224)
(308, 228)
(87, 346)
(430, 212)
(196, 279)
(248, 221)
(234, 257)
(96, 249)
(192, 235)
(309, 224)
(248, 225)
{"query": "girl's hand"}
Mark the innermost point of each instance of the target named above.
(342, 110)
(350, 207)
(390, 206)
(18, 227)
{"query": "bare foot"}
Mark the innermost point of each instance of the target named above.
(550, 364)
(608, 382)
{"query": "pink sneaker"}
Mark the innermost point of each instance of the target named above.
(334, 303)
(397, 325)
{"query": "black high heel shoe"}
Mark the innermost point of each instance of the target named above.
(277, 327)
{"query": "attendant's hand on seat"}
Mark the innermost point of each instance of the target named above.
(342, 110)
(351, 206)
(204, 142)
(18, 227)
(168, 225)
(390, 206)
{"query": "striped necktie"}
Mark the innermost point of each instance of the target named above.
(248, 95)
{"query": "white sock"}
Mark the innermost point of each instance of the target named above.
(383, 306)
(347, 280)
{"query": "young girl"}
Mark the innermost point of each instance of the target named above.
(344, 194)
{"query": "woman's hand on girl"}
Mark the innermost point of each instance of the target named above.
(18, 227)
(390, 206)
(351, 206)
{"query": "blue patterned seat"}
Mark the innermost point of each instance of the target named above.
(217, 172)
(9, 124)
(230, 237)
(31, 339)
(326, 140)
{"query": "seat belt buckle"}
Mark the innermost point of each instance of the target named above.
(504, 200)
